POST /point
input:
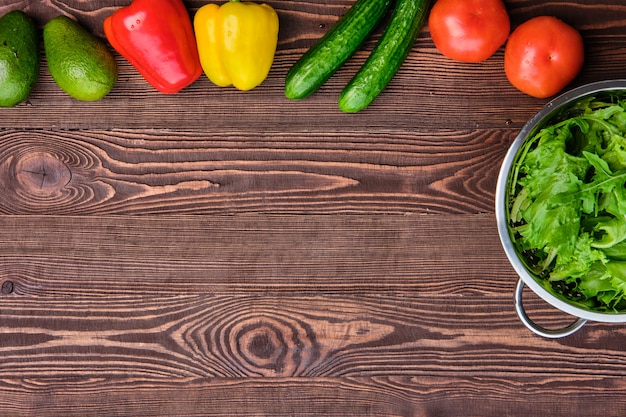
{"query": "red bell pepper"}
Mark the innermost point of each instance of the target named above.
(157, 38)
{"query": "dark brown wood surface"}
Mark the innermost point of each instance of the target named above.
(227, 253)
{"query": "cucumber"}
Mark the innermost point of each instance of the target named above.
(405, 24)
(325, 57)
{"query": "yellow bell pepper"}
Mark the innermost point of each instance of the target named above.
(236, 42)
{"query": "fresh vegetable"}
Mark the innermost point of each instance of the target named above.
(543, 55)
(19, 57)
(406, 21)
(569, 202)
(325, 57)
(79, 62)
(236, 42)
(469, 30)
(157, 37)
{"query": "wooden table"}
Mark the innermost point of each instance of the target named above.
(216, 252)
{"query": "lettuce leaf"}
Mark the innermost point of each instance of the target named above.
(568, 206)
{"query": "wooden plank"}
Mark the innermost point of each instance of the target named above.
(160, 172)
(100, 256)
(166, 339)
(416, 396)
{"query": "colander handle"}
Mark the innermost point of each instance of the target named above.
(553, 334)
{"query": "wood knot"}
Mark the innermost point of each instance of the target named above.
(41, 174)
(263, 346)
(7, 287)
(268, 346)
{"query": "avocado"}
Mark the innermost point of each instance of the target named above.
(79, 62)
(19, 57)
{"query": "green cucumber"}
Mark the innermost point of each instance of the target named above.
(393, 47)
(325, 57)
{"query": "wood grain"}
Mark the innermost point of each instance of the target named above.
(239, 355)
(220, 253)
(94, 308)
(100, 256)
(157, 339)
(384, 396)
(154, 171)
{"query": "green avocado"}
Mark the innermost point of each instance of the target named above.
(79, 62)
(19, 57)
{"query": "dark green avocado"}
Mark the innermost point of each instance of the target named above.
(19, 57)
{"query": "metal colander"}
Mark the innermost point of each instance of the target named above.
(565, 301)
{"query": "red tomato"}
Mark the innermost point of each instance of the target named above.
(543, 55)
(469, 30)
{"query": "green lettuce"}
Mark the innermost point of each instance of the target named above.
(568, 206)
